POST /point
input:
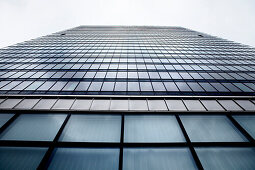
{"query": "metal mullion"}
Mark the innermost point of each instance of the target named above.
(45, 161)
(192, 150)
(19, 143)
(121, 142)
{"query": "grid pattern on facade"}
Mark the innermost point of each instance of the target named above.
(71, 140)
(128, 60)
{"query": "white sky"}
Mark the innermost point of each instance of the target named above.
(21, 20)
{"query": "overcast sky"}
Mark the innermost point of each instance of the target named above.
(26, 19)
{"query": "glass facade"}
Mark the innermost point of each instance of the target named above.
(127, 98)
(128, 60)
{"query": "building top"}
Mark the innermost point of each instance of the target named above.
(128, 60)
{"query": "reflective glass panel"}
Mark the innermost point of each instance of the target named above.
(211, 129)
(92, 128)
(157, 159)
(152, 129)
(34, 127)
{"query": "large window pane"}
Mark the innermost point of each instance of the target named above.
(92, 128)
(152, 129)
(247, 122)
(20, 157)
(211, 129)
(158, 159)
(4, 118)
(34, 127)
(229, 158)
(85, 158)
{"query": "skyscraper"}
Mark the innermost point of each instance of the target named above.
(127, 98)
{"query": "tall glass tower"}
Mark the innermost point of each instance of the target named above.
(127, 98)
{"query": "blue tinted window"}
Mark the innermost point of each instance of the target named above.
(85, 158)
(158, 159)
(228, 158)
(248, 123)
(152, 129)
(21, 157)
(211, 129)
(4, 118)
(92, 128)
(34, 127)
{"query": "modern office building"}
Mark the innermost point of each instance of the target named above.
(127, 98)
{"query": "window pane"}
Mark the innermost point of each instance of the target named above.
(34, 127)
(120, 86)
(92, 128)
(21, 157)
(221, 158)
(146, 86)
(133, 86)
(183, 86)
(85, 158)
(158, 86)
(247, 122)
(108, 86)
(152, 129)
(158, 159)
(211, 129)
(170, 86)
(4, 118)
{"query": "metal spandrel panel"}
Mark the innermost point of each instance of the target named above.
(119, 104)
(63, 104)
(230, 105)
(45, 104)
(140, 105)
(81, 104)
(1, 100)
(246, 105)
(157, 105)
(9, 103)
(212, 105)
(175, 105)
(98, 104)
(27, 104)
(194, 105)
